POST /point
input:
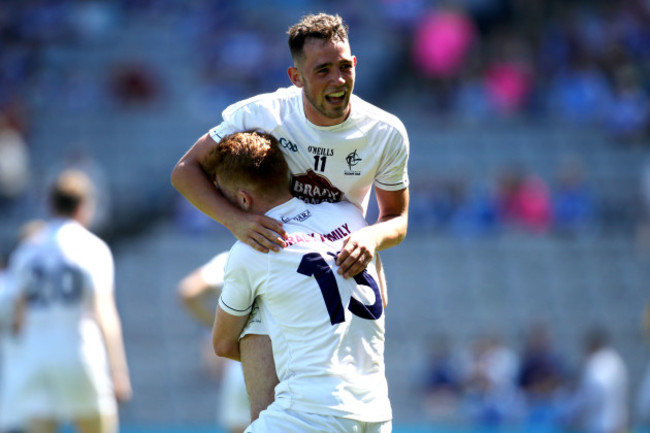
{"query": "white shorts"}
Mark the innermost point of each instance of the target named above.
(234, 408)
(255, 324)
(277, 419)
(65, 388)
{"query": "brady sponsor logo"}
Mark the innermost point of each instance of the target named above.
(287, 144)
(300, 217)
(314, 188)
(352, 160)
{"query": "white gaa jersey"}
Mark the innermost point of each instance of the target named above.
(60, 271)
(330, 163)
(327, 331)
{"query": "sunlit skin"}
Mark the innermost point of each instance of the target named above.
(326, 73)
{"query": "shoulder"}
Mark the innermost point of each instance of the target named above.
(89, 247)
(263, 102)
(366, 112)
(242, 256)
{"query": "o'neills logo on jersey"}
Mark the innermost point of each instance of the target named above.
(322, 151)
(300, 217)
(352, 160)
(314, 188)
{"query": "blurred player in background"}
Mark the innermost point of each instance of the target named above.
(199, 291)
(10, 347)
(600, 402)
(336, 145)
(74, 363)
(327, 331)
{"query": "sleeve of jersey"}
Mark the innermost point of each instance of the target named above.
(256, 114)
(393, 171)
(240, 281)
(103, 269)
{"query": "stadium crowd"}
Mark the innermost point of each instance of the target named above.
(578, 62)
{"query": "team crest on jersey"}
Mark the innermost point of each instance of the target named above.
(352, 160)
(314, 188)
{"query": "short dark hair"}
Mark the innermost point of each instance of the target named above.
(69, 191)
(320, 26)
(252, 158)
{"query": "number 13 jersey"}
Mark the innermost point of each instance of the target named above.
(327, 331)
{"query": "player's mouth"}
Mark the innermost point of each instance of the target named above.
(336, 98)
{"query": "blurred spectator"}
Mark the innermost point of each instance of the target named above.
(443, 381)
(574, 208)
(441, 43)
(628, 114)
(508, 78)
(541, 376)
(134, 84)
(14, 163)
(491, 397)
(599, 404)
(523, 201)
(643, 229)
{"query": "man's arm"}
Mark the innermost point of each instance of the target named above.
(258, 231)
(193, 290)
(389, 230)
(111, 327)
(225, 334)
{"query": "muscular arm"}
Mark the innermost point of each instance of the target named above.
(110, 325)
(389, 230)
(225, 334)
(258, 231)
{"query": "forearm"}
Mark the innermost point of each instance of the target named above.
(115, 349)
(195, 185)
(191, 182)
(392, 222)
(389, 231)
(198, 310)
(111, 329)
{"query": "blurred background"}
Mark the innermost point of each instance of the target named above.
(529, 123)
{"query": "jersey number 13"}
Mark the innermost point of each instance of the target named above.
(313, 264)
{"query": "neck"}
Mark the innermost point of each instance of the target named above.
(261, 207)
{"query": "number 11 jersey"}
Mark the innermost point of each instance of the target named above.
(327, 163)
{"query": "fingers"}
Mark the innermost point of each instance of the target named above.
(264, 234)
(266, 241)
(353, 259)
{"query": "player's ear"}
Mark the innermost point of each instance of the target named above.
(294, 76)
(244, 200)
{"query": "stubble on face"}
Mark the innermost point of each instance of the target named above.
(327, 72)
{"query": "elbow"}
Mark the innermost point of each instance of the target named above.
(177, 174)
(225, 349)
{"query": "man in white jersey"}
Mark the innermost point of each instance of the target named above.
(11, 363)
(337, 146)
(196, 290)
(73, 354)
(327, 331)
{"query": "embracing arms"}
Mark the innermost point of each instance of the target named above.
(260, 232)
